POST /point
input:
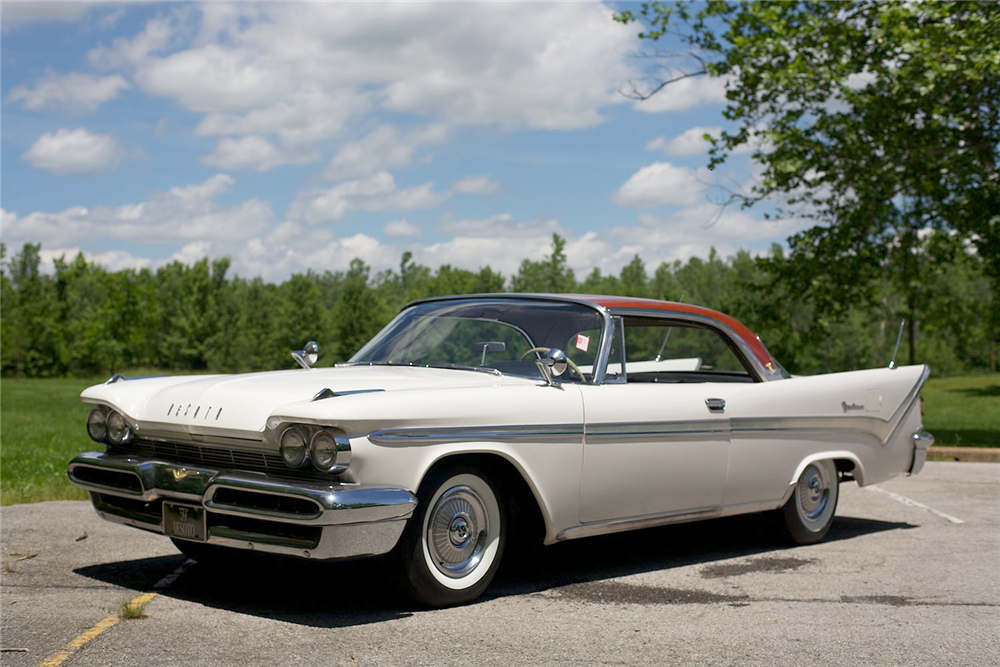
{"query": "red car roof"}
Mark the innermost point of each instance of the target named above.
(740, 329)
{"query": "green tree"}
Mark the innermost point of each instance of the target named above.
(549, 275)
(878, 119)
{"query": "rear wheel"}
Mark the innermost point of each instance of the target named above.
(807, 516)
(452, 545)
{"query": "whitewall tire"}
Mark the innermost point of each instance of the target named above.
(452, 545)
(808, 514)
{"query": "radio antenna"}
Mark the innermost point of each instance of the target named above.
(666, 336)
(899, 337)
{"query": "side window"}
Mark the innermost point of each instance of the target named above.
(664, 351)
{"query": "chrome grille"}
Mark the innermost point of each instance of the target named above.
(219, 458)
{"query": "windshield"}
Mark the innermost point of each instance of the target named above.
(488, 334)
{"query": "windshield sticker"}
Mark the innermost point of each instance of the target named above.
(582, 342)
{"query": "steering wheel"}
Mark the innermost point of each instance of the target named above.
(569, 362)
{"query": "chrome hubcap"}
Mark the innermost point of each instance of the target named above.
(813, 494)
(457, 531)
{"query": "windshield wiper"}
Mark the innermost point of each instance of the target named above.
(462, 367)
(410, 364)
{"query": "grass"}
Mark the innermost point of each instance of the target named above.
(131, 609)
(42, 428)
(964, 410)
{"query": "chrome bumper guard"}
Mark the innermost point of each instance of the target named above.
(921, 441)
(249, 510)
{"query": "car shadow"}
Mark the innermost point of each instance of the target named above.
(352, 593)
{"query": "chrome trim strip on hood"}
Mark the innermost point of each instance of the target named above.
(397, 436)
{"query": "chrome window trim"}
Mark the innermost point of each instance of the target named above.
(746, 355)
(601, 359)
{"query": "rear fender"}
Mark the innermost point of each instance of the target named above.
(839, 454)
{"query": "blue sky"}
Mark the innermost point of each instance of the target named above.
(298, 136)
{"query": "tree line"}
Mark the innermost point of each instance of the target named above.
(83, 319)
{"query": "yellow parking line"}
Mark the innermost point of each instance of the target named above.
(78, 643)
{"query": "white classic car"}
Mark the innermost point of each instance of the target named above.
(471, 418)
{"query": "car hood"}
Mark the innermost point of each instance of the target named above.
(244, 402)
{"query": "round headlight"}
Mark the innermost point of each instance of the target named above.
(293, 447)
(97, 426)
(330, 452)
(118, 429)
(323, 449)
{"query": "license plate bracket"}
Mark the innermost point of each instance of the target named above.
(188, 522)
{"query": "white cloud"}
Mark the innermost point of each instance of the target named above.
(182, 214)
(482, 184)
(659, 184)
(377, 192)
(17, 14)
(113, 260)
(383, 148)
(693, 232)
(190, 219)
(254, 152)
(685, 94)
(123, 52)
(72, 92)
(300, 73)
(73, 152)
(689, 142)
(401, 228)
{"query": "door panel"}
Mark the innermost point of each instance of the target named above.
(652, 449)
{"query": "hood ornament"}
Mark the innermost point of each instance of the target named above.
(307, 356)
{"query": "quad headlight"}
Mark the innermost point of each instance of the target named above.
(293, 447)
(119, 432)
(330, 451)
(97, 424)
(108, 426)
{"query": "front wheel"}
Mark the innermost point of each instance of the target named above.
(451, 547)
(807, 516)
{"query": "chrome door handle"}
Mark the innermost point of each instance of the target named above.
(716, 404)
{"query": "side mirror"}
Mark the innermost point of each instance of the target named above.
(307, 356)
(552, 363)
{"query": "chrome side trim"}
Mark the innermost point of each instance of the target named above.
(573, 432)
(615, 430)
(622, 525)
(881, 429)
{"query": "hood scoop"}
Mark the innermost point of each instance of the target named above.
(326, 392)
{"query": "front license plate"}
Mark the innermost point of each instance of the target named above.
(184, 521)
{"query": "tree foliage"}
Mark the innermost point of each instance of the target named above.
(83, 319)
(878, 119)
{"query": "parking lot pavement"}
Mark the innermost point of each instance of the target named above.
(908, 577)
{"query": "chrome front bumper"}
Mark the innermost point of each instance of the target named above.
(245, 510)
(921, 441)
